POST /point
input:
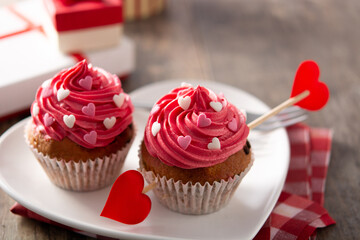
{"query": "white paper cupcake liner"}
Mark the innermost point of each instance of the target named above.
(196, 199)
(86, 175)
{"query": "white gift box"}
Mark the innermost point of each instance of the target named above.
(27, 58)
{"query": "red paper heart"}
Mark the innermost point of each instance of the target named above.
(126, 202)
(307, 78)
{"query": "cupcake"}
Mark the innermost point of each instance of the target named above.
(195, 148)
(81, 127)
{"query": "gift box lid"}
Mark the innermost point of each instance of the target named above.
(69, 15)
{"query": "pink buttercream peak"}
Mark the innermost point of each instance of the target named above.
(80, 101)
(192, 128)
(201, 98)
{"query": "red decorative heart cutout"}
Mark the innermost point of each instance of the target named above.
(126, 202)
(307, 78)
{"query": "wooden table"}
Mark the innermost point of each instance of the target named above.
(256, 46)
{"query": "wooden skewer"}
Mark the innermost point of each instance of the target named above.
(278, 108)
(149, 187)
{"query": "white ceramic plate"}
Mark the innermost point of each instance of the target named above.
(23, 179)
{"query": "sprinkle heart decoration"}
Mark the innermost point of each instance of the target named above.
(184, 102)
(155, 109)
(48, 120)
(203, 121)
(46, 92)
(185, 84)
(307, 78)
(155, 128)
(46, 83)
(217, 106)
(35, 110)
(69, 120)
(109, 122)
(215, 144)
(119, 99)
(62, 93)
(212, 95)
(232, 125)
(184, 142)
(89, 109)
(86, 82)
(126, 203)
(91, 137)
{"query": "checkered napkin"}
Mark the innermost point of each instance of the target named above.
(298, 212)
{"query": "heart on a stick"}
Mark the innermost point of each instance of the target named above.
(307, 78)
(126, 202)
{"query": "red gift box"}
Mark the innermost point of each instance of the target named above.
(81, 25)
(83, 14)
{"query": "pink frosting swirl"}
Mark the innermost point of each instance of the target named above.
(194, 128)
(85, 104)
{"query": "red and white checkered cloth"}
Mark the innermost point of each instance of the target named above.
(298, 212)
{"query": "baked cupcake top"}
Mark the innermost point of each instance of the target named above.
(194, 128)
(85, 104)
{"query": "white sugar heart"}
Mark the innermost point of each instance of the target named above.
(184, 102)
(62, 93)
(155, 128)
(217, 106)
(109, 122)
(69, 120)
(35, 110)
(215, 144)
(185, 84)
(212, 95)
(46, 83)
(119, 99)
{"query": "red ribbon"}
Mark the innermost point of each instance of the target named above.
(71, 2)
(30, 26)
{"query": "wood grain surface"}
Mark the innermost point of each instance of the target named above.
(256, 46)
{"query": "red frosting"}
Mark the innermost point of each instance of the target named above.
(85, 104)
(193, 128)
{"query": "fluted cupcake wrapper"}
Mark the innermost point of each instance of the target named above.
(88, 175)
(197, 199)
